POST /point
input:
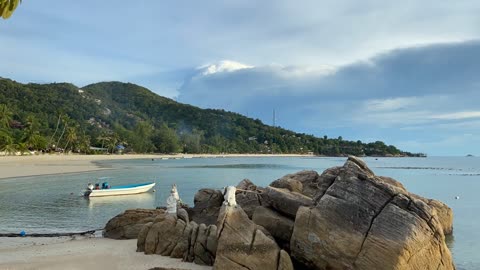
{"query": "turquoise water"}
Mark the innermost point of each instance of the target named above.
(52, 203)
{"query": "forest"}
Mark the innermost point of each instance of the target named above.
(123, 117)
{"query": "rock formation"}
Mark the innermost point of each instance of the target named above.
(128, 224)
(242, 245)
(361, 221)
(345, 218)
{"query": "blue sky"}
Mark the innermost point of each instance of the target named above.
(406, 73)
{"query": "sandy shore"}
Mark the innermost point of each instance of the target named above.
(20, 166)
(85, 253)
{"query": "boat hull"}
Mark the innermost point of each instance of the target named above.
(125, 190)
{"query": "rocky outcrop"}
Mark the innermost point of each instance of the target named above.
(241, 245)
(207, 203)
(279, 226)
(345, 218)
(361, 221)
(170, 235)
(285, 201)
(248, 196)
(304, 182)
(128, 224)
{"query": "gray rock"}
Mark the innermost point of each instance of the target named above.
(285, 201)
(241, 245)
(128, 224)
(280, 227)
(207, 203)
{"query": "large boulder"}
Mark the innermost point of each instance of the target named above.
(248, 196)
(302, 182)
(128, 224)
(170, 235)
(362, 221)
(207, 203)
(279, 226)
(241, 245)
(284, 200)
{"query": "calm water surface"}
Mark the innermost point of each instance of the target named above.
(52, 203)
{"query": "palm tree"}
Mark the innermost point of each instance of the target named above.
(5, 115)
(56, 129)
(65, 120)
(7, 7)
(71, 136)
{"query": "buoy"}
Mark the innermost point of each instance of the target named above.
(457, 197)
(23, 233)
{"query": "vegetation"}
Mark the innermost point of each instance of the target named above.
(7, 7)
(113, 116)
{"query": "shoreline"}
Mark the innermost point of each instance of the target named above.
(54, 164)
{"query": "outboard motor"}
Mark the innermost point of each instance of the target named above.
(89, 190)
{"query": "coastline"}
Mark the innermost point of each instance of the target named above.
(50, 164)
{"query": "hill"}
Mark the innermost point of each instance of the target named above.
(108, 114)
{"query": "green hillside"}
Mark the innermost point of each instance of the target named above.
(64, 117)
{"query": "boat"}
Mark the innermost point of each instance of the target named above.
(117, 190)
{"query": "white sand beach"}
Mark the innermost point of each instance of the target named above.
(31, 253)
(20, 166)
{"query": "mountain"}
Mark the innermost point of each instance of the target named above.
(107, 114)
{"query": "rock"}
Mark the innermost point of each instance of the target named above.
(285, 263)
(246, 184)
(207, 203)
(361, 221)
(142, 235)
(280, 227)
(444, 213)
(183, 215)
(201, 253)
(181, 248)
(241, 245)
(250, 199)
(128, 224)
(285, 201)
(189, 256)
(304, 182)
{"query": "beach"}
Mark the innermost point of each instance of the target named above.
(81, 253)
(31, 165)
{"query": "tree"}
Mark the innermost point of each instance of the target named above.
(165, 140)
(7, 7)
(71, 136)
(5, 116)
(65, 120)
(56, 129)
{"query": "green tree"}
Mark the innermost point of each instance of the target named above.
(141, 139)
(71, 137)
(165, 140)
(7, 7)
(5, 116)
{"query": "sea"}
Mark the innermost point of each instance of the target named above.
(52, 203)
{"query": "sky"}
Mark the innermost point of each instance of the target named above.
(403, 72)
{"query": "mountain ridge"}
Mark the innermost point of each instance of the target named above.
(110, 113)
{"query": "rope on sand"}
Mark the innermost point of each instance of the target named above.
(48, 234)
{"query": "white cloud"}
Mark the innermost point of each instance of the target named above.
(223, 66)
(391, 104)
(457, 115)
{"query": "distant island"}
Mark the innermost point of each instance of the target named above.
(116, 117)
(470, 155)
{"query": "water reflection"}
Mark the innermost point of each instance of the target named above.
(144, 200)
